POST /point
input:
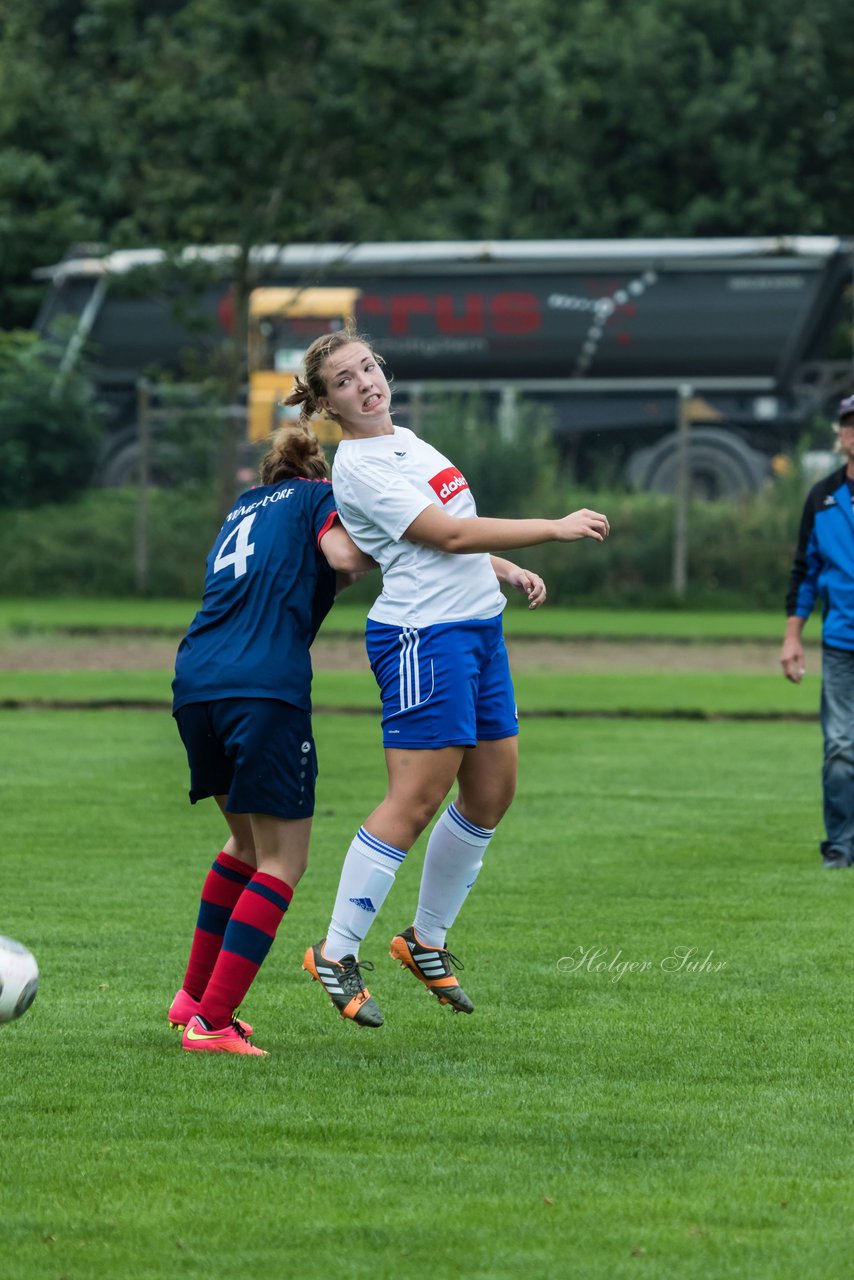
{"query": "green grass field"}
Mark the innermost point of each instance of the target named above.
(643, 690)
(638, 694)
(655, 1082)
(174, 615)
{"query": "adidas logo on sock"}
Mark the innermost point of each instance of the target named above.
(365, 904)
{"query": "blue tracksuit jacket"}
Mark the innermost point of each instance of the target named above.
(823, 566)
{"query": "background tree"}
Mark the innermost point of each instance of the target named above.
(49, 429)
(203, 121)
(709, 117)
(200, 121)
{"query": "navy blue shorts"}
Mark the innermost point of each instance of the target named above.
(258, 752)
(443, 686)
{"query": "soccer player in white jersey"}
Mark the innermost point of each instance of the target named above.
(435, 642)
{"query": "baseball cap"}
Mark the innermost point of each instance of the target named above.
(846, 407)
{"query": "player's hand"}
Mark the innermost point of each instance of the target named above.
(583, 524)
(531, 584)
(792, 660)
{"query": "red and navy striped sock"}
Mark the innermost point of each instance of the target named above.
(225, 882)
(248, 937)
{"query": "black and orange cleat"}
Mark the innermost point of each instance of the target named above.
(342, 981)
(434, 966)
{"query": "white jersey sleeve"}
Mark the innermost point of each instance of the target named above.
(374, 490)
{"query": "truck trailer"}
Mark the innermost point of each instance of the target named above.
(603, 339)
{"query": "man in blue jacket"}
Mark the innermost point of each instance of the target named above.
(823, 568)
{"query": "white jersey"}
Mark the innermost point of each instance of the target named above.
(383, 483)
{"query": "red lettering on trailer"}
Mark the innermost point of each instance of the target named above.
(403, 305)
(510, 313)
(516, 313)
(471, 320)
(225, 311)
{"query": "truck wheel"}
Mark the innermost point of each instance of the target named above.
(720, 465)
(121, 468)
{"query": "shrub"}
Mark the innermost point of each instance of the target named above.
(511, 466)
(50, 426)
(87, 547)
(739, 553)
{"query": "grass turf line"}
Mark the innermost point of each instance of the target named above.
(173, 616)
(630, 693)
(664, 1124)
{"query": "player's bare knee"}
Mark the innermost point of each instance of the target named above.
(424, 809)
(242, 849)
(486, 811)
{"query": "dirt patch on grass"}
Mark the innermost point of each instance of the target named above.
(341, 653)
(599, 657)
(85, 653)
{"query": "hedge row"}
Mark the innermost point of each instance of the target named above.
(739, 554)
(88, 547)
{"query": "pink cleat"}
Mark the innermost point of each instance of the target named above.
(199, 1037)
(184, 1007)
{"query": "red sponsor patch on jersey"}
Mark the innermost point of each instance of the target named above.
(448, 483)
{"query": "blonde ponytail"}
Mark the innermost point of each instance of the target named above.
(294, 452)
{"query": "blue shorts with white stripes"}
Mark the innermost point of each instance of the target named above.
(443, 686)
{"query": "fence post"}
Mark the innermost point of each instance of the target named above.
(507, 413)
(415, 406)
(143, 426)
(233, 430)
(683, 491)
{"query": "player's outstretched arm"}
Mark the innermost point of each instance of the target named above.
(434, 528)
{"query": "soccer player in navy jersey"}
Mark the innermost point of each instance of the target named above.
(436, 647)
(242, 693)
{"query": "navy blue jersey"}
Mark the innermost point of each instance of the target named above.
(268, 587)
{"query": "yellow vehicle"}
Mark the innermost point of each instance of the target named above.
(282, 323)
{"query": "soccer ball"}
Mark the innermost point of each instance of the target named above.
(19, 979)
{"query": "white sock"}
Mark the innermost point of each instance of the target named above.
(366, 877)
(454, 857)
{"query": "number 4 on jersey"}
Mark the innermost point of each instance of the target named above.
(243, 548)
